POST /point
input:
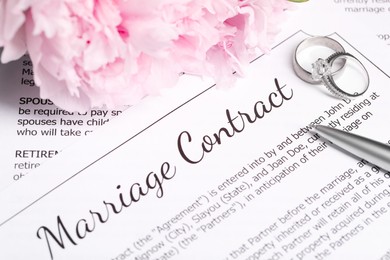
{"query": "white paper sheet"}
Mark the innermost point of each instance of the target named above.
(34, 130)
(233, 174)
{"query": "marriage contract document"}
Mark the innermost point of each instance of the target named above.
(226, 174)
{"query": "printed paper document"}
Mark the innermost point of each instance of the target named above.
(225, 174)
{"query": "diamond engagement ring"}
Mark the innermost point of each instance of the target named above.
(316, 46)
(354, 78)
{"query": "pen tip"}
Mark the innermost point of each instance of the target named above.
(319, 127)
(316, 127)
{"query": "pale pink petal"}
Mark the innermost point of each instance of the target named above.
(94, 53)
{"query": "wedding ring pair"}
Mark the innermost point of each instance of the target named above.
(331, 71)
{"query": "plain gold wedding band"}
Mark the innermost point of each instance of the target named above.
(309, 42)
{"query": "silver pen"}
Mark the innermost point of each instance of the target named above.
(370, 150)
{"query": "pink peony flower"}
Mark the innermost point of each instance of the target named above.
(94, 53)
